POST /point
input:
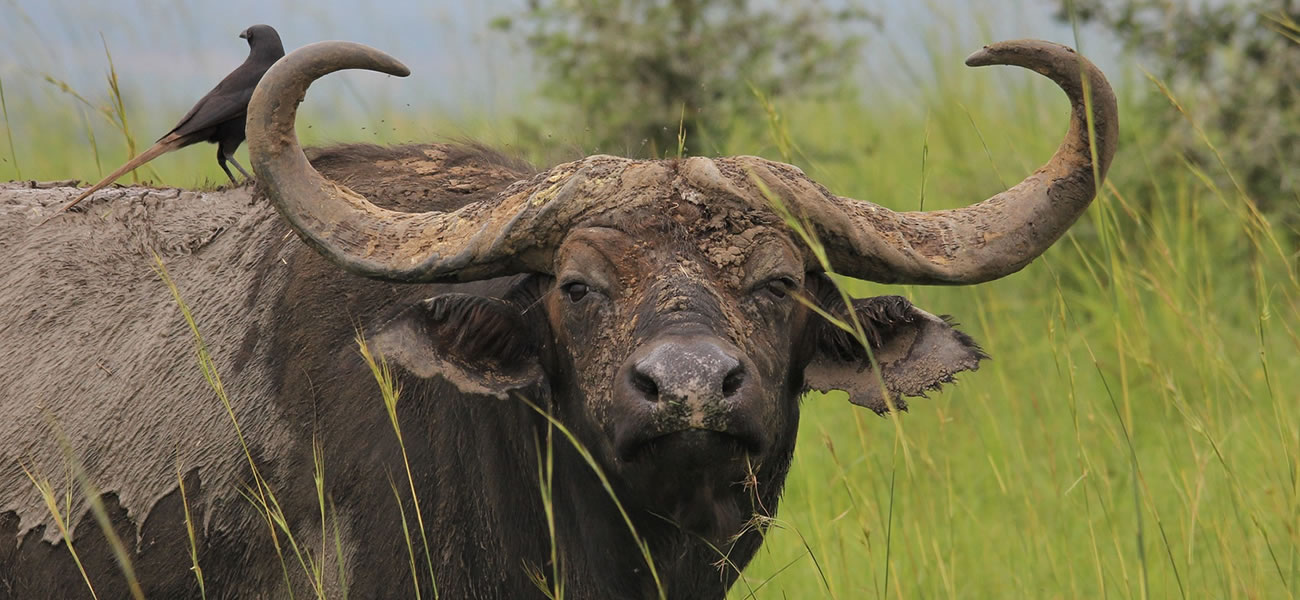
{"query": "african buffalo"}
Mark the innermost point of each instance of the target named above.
(654, 310)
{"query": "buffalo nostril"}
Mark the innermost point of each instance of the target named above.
(646, 385)
(731, 383)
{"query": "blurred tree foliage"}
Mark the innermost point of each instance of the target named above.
(1235, 67)
(639, 69)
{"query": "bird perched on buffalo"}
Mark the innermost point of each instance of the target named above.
(218, 117)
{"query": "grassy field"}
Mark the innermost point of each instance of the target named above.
(1137, 433)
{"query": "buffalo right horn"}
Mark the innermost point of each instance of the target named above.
(1002, 234)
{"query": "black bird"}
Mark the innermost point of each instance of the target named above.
(218, 117)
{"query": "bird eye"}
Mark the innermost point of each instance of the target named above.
(576, 291)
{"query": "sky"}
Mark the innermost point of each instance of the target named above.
(173, 52)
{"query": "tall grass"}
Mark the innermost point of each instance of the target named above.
(1136, 434)
(260, 493)
(390, 392)
(9, 132)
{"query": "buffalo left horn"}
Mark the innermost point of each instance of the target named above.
(477, 241)
(1002, 234)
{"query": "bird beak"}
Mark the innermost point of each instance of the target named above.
(243, 34)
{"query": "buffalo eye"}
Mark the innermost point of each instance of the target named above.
(576, 291)
(779, 287)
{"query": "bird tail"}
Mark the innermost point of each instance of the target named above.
(163, 146)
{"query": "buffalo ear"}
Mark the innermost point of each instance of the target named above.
(479, 344)
(915, 350)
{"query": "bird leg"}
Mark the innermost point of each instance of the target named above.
(227, 153)
(241, 168)
(221, 160)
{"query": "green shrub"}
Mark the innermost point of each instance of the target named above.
(1235, 66)
(644, 71)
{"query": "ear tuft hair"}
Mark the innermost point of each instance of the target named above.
(483, 345)
(915, 352)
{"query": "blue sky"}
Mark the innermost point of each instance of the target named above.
(173, 52)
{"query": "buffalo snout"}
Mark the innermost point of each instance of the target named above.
(697, 373)
(686, 384)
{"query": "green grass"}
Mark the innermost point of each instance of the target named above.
(1136, 435)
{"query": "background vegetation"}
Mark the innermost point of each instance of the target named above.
(1236, 63)
(653, 69)
(1137, 433)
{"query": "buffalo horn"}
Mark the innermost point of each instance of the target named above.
(365, 239)
(1002, 234)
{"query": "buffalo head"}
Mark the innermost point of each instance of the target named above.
(668, 316)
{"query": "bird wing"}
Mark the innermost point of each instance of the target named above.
(229, 100)
(212, 111)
